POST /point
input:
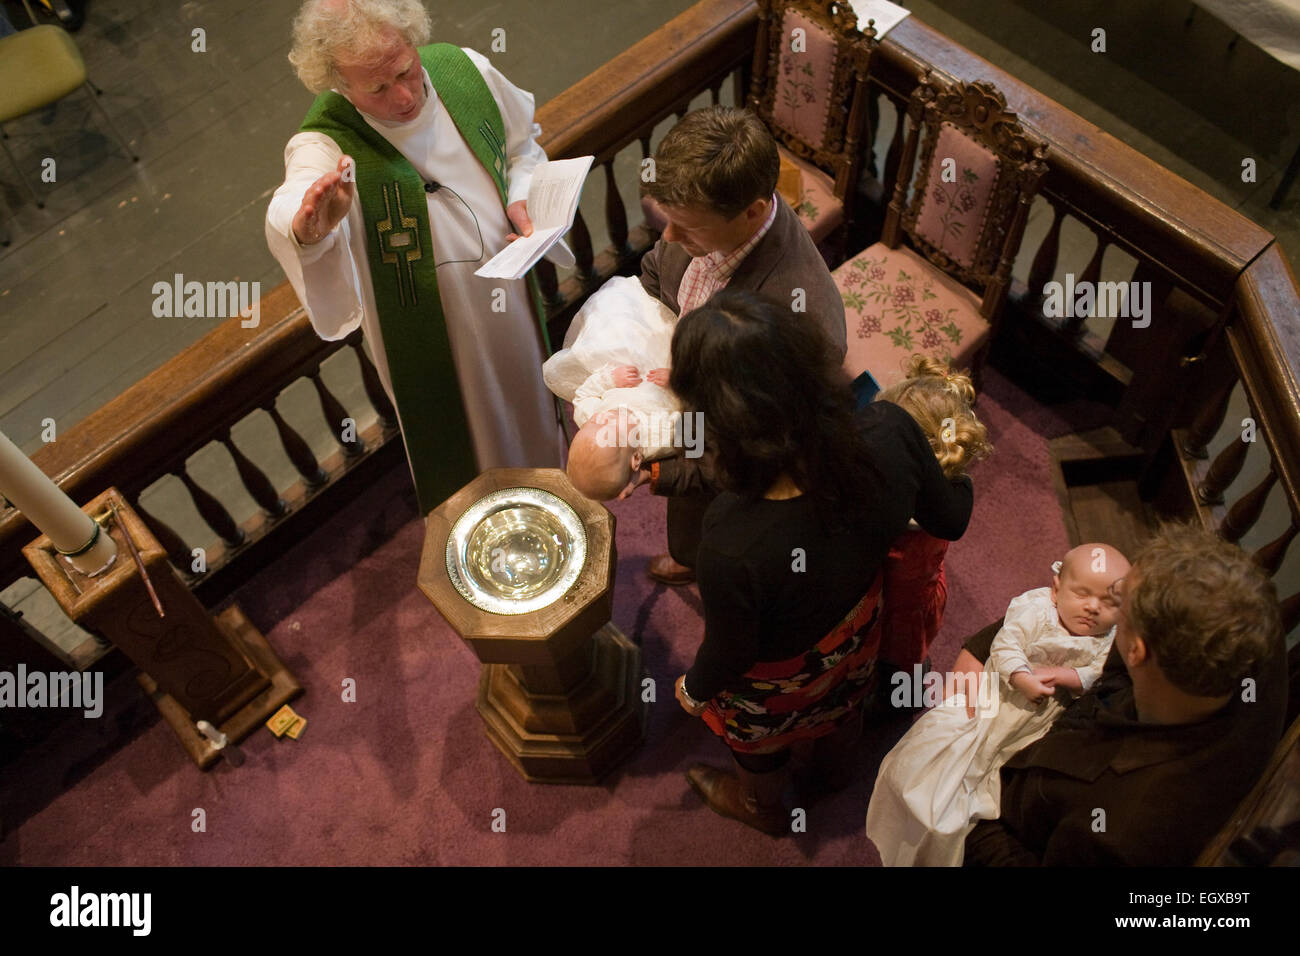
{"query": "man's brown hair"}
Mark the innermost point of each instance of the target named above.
(1206, 610)
(719, 158)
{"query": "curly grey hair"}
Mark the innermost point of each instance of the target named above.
(324, 28)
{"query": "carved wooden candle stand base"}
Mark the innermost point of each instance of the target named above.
(193, 666)
(560, 690)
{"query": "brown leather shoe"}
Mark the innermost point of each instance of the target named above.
(667, 571)
(755, 799)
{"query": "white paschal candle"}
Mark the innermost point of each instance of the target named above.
(29, 490)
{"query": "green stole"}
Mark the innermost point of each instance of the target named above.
(399, 246)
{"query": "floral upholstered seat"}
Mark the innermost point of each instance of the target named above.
(976, 177)
(896, 306)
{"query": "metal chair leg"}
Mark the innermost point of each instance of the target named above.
(40, 203)
(109, 123)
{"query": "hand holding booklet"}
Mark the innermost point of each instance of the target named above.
(552, 206)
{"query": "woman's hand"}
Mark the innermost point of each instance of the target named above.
(639, 478)
(680, 688)
(659, 376)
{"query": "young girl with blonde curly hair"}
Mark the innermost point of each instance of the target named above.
(915, 588)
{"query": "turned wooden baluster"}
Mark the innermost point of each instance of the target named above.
(582, 251)
(335, 416)
(1208, 421)
(375, 388)
(873, 130)
(1091, 275)
(297, 449)
(894, 157)
(894, 218)
(1271, 556)
(1243, 515)
(615, 215)
(1291, 613)
(1222, 472)
(1045, 259)
(177, 550)
(212, 510)
(255, 481)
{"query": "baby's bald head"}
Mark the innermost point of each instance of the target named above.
(1087, 600)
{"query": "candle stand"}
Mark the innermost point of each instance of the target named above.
(194, 666)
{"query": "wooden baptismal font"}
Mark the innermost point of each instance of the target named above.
(522, 566)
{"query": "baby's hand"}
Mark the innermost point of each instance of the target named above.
(1029, 685)
(626, 376)
(659, 376)
(1055, 677)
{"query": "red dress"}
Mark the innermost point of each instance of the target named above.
(916, 592)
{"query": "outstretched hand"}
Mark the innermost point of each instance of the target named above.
(325, 203)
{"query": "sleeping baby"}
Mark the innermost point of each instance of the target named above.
(614, 369)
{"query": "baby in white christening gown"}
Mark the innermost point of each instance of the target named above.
(614, 369)
(943, 776)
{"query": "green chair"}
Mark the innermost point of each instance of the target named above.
(40, 66)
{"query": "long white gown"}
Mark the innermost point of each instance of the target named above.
(944, 776)
(498, 355)
(620, 324)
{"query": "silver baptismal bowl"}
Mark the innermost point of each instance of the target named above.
(516, 550)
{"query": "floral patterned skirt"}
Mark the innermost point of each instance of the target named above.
(803, 697)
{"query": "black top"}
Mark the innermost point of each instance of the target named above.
(766, 601)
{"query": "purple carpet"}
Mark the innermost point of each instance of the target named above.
(405, 775)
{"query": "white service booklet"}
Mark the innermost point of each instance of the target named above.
(552, 206)
(887, 15)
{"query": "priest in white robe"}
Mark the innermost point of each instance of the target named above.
(317, 231)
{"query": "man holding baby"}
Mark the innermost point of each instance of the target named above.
(715, 182)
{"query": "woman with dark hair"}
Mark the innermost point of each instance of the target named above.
(813, 495)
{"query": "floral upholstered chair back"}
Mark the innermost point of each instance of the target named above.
(978, 173)
(809, 85)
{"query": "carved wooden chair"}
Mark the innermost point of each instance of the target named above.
(809, 86)
(942, 293)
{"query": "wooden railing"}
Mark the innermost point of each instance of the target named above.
(1224, 307)
(1224, 303)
